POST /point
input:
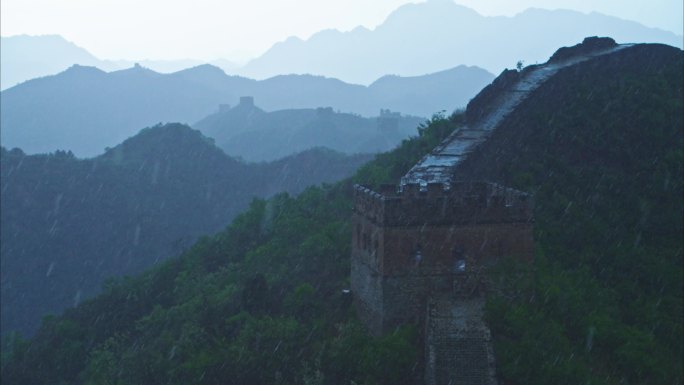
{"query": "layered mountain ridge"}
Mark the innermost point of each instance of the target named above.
(599, 144)
(427, 37)
(68, 224)
(248, 132)
(84, 109)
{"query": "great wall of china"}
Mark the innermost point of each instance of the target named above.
(421, 249)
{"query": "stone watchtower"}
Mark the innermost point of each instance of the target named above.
(246, 101)
(419, 255)
(412, 244)
(388, 122)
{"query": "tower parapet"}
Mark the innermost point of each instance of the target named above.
(438, 204)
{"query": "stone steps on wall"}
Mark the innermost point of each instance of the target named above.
(437, 166)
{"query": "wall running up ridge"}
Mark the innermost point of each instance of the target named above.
(493, 104)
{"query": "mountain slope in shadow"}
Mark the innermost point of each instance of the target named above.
(68, 223)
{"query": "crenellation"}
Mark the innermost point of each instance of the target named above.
(420, 241)
(438, 204)
(388, 189)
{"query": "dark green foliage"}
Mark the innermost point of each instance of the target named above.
(389, 167)
(600, 145)
(260, 302)
(68, 223)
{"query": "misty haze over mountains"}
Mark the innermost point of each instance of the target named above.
(254, 135)
(594, 137)
(142, 201)
(85, 109)
(427, 37)
(27, 57)
(415, 39)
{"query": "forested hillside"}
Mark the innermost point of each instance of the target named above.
(260, 302)
(601, 147)
(68, 223)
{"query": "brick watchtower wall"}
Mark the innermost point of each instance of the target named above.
(412, 244)
(419, 255)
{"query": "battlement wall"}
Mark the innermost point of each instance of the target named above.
(441, 205)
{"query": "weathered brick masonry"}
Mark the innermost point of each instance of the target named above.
(414, 244)
(418, 256)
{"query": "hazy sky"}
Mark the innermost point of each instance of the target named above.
(239, 29)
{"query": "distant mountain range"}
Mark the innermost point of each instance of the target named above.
(415, 39)
(255, 135)
(84, 109)
(437, 34)
(67, 224)
(27, 57)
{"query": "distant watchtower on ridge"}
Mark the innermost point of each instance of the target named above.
(388, 121)
(246, 101)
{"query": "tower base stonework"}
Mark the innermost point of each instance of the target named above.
(458, 346)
